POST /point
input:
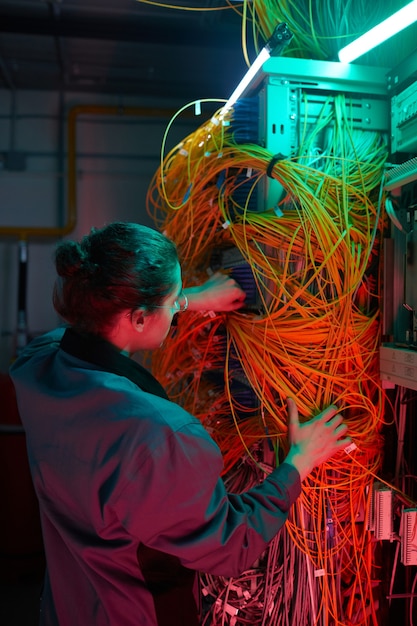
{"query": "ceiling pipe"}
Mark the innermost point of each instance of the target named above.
(73, 116)
(26, 232)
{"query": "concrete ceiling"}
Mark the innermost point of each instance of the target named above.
(120, 46)
(130, 47)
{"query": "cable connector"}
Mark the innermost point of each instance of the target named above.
(351, 447)
(280, 38)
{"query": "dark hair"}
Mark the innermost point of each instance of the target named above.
(121, 266)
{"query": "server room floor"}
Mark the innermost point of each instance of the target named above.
(19, 603)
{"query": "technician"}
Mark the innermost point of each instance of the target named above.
(129, 484)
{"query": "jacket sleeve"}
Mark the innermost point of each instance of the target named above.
(184, 509)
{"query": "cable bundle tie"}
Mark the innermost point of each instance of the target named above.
(249, 172)
(183, 152)
(219, 156)
(215, 121)
(226, 224)
(275, 159)
(197, 107)
(351, 447)
(318, 573)
(207, 153)
(278, 212)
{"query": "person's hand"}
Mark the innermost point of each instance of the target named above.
(315, 441)
(218, 293)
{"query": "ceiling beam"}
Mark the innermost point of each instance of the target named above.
(117, 28)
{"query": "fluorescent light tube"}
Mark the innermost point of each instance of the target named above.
(279, 39)
(254, 68)
(383, 31)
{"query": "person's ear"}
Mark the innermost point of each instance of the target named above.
(138, 320)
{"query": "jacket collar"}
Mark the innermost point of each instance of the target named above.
(102, 353)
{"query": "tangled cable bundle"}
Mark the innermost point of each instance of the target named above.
(320, 27)
(312, 332)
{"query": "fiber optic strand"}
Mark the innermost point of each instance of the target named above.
(320, 27)
(360, 373)
(312, 335)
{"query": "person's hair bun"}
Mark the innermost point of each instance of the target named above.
(72, 260)
(113, 270)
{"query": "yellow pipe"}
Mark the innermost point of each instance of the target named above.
(98, 110)
(24, 232)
